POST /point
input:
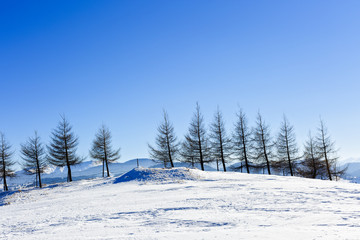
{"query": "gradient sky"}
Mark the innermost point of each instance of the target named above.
(122, 62)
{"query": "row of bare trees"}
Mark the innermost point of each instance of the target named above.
(251, 149)
(61, 152)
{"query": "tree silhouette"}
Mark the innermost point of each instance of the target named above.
(167, 146)
(102, 150)
(6, 160)
(242, 142)
(220, 143)
(62, 149)
(287, 150)
(196, 141)
(262, 144)
(326, 147)
(312, 166)
(33, 153)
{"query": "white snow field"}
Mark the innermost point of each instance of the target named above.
(184, 204)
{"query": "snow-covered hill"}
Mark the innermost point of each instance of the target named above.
(184, 204)
(86, 170)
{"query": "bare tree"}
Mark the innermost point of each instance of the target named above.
(312, 166)
(287, 150)
(102, 150)
(62, 149)
(6, 160)
(167, 146)
(33, 154)
(196, 141)
(328, 152)
(242, 141)
(188, 153)
(220, 143)
(263, 144)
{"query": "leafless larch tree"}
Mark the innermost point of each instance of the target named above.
(167, 145)
(102, 150)
(34, 158)
(6, 161)
(63, 146)
(242, 143)
(326, 147)
(220, 143)
(287, 150)
(312, 166)
(263, 144)
(196, 141)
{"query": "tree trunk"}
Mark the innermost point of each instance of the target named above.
(265, 153)
(5, 185)
(69, 172)
(267, 161)
(38, 169)
(244, 148)
(328, 167)
(288, 155)
(291, 171)
(245, 156)
(169, 150)
(201, 156)
(107, 169)
(222, 154)
(106, 159)
(67, 161)
(326, 159)
(4, 174)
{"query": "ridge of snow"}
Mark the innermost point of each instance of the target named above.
(158, 175)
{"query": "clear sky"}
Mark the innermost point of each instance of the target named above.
(122, 62)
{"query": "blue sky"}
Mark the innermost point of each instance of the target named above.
(122, 62)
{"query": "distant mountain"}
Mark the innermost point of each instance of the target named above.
(353, 170)
(350, 160)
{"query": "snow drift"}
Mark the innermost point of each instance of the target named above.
(158, 175)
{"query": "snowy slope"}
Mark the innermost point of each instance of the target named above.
(198, 205)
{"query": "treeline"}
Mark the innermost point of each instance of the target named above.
(60, 152)
(249, 149)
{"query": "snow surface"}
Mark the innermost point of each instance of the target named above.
(184, 204)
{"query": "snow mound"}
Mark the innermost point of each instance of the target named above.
(158, 175)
